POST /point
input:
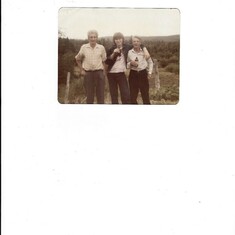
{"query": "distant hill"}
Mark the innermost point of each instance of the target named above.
(171, 38)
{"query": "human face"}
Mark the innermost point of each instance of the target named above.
(119, 42)
(92, 38)
(136, 43)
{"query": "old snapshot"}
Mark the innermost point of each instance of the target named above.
(118, 56)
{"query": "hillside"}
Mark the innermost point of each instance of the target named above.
(171, 38)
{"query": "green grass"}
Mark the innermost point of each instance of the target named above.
(167, 94)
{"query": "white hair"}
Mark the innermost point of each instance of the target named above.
(92, 32)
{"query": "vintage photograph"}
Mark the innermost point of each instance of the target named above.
(118, 56)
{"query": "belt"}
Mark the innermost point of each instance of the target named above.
(116, 73)
(138, 71)
(94, 70)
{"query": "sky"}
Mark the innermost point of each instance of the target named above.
(76, 22)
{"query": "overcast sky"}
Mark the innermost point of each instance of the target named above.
(75, 22)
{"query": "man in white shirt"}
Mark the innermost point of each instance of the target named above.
(139, 76)
(90, 60)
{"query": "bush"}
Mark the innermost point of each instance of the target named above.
(66, 64)
(174, 59)
(163, 62)
(173, 68)
(167, 93)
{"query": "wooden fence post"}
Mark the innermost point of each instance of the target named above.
(66, 97)
(157, 79)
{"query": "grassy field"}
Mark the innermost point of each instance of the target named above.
(165, 55)
(169, 89)
(167, 94)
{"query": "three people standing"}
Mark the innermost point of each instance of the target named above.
(92, 58)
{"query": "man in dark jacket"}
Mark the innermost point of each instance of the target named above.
(116, 61)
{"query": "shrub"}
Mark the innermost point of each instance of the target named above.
(163, 62)
(166, 93)
(66, 64)
(174, 59)
(173, 68)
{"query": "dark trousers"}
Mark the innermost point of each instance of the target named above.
(138, 81)
(118, 80)
(94, 84)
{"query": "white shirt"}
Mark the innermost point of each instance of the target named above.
(92, 58)
(143, 63)
(119, 65)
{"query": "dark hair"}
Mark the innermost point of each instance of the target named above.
(117, 36)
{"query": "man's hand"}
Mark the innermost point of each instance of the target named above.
(117, 50)
(105, 72)
(83, 72)
(134, 63)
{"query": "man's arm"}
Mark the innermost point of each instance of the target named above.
(104, 58)
(113, 53)
(79, 63)
(79, 58)
(146, 53)
(150, 67)
(128, 60)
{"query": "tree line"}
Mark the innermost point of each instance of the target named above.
(166, 52)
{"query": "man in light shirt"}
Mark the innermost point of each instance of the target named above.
(139, 75)
(90, 60)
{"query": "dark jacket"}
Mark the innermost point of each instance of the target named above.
(110, 62)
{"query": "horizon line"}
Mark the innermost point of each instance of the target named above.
(99, 37)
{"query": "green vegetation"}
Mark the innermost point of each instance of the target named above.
(173, 68)
(164, 50)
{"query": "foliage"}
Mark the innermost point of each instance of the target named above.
(165, 51)
(166, 93)
(173, 68)
(66, 61)
(76, 91)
